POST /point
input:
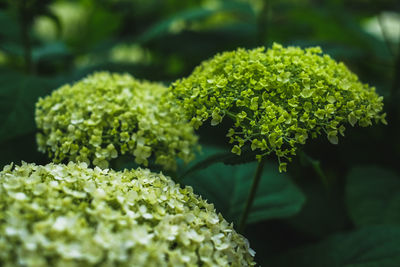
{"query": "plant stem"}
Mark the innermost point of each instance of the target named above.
(252, 194)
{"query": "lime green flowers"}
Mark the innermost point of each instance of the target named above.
(71, 215)
(277, 98)
(107, 115)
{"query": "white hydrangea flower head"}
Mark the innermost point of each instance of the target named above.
(72, 215)
(107, 115)
(276, 99)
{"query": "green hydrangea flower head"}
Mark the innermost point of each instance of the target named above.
(107, 115)
(72, 215)
(277, 98)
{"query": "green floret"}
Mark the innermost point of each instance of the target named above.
(72, 215)
(107, 115)
(277, 98)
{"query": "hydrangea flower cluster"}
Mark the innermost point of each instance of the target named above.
(72, 215)
(277, 98)
(106, 115)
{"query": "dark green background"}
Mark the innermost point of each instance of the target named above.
(336, 205)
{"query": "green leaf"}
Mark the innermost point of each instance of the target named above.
(373, 196)
(207, 156)
(164, 26)
(206, 162)
(50, 51)
(246, 156)
(211, 155)
(18, 96)
(367, 247)
(180, 19)
(306, 160)
(324, 213)
(228, 188)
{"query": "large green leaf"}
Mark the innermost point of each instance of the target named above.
(206, 162)
(50, 51)
(367, 247)
(325, 211)
(373, 196)
(18, 96)
(164, 26)
(212, 155)
(228, 187)
(179, 20)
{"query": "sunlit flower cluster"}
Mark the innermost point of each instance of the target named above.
(72, 215)
(277, 98)
(107, 115)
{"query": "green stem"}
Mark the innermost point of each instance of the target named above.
(252, 194)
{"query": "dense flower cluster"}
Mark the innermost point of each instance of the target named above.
(71, 215)
(277, 98)
(105, 115)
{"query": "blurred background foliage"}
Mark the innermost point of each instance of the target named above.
(336, 206)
